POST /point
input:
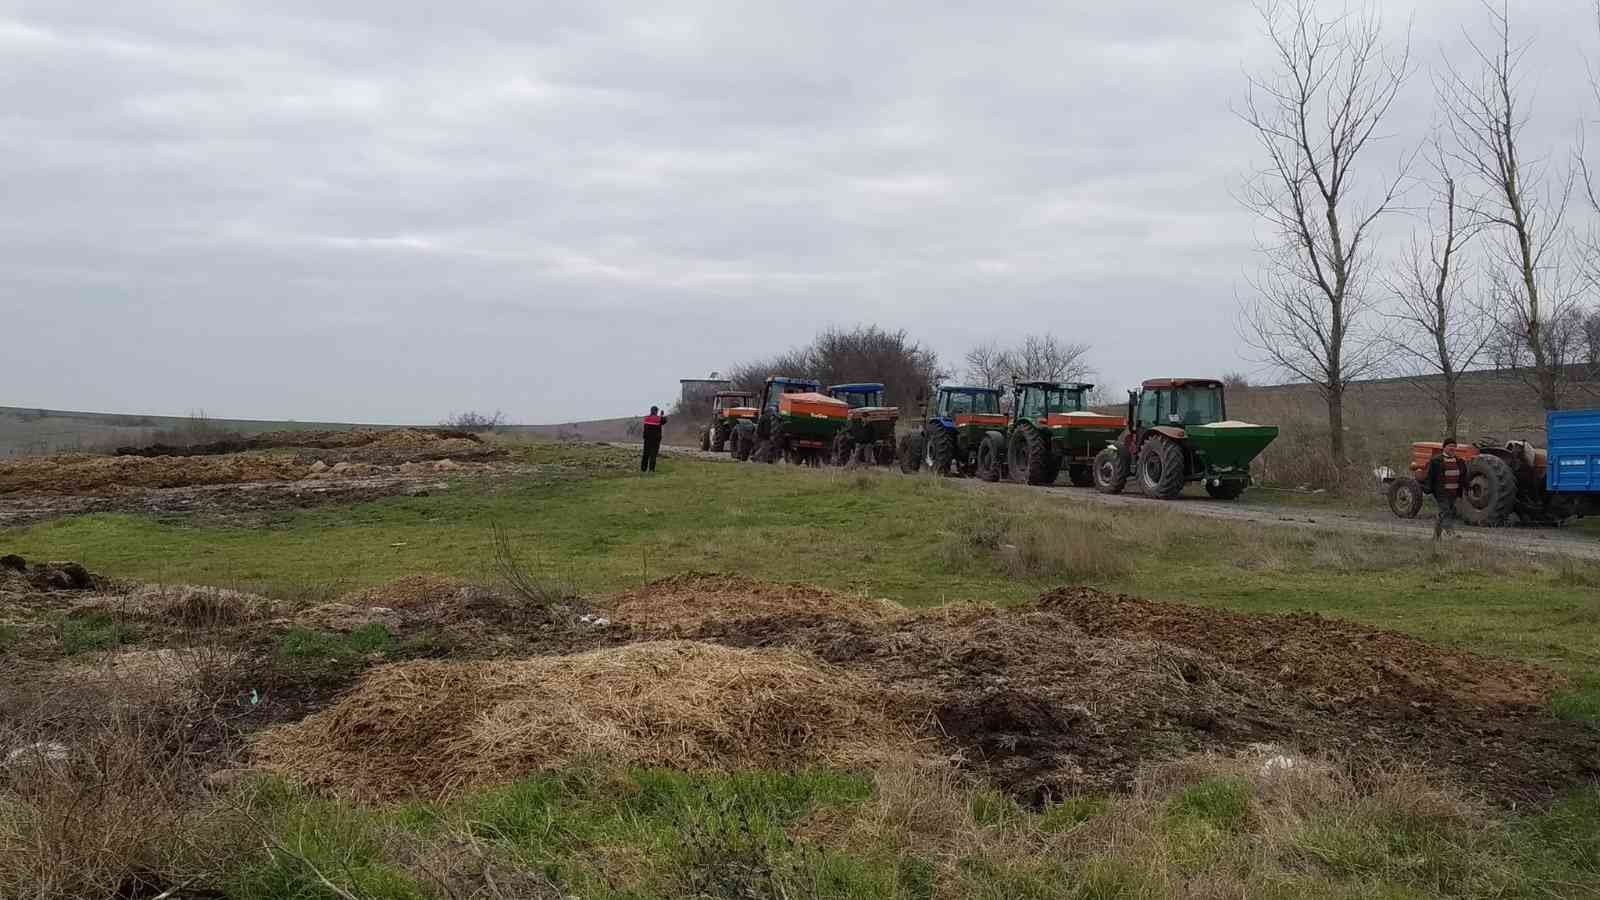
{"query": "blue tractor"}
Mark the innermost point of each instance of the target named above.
(953, 431)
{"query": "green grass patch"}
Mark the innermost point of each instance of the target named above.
(9, 634)
(96, 631)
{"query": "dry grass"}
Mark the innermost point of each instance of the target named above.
(435, 728)
(683, 603)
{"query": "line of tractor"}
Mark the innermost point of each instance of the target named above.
(1175, 431)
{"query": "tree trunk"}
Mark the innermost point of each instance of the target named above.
(1336, 425)
(1452, 413)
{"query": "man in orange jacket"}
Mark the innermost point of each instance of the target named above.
(653, 424)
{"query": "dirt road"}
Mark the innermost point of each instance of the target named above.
(1258, 508)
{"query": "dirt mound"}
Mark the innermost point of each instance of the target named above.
(433, 728)
(194, 606)
(20, 577)
(1044, 706)
(1342, 661)
(321, 440)
(686, 603)
(409, 592)
(81, 474)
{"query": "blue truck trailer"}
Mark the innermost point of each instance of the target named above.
(1574, 454)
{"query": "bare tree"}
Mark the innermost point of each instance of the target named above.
(907, 369)
(1439, 334)
(1315, 113)
(1038, 357)
(1524, 202)
(986, 365)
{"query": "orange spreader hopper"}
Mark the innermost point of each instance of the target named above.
(819, 406)
(1084, 420)
(982, 419)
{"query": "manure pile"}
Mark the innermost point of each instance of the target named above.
(1076, 691)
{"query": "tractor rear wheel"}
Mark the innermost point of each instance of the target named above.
(991, 456)
(1405, 497)
(939, 450)
(744, 440)
(843, 449)
(1161, 468)
(1081, 476)
(910, 453)
(1226, 490)
(1110, 471)
(705, 440)
(1490, 493)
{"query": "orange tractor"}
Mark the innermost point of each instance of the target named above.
(1515, 481)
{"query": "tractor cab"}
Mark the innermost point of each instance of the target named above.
(866, 395)
(777, 386)
(1176, 403)
(1037, 401)
(724, 401)
(955, 403)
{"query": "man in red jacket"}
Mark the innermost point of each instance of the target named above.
(653, 424)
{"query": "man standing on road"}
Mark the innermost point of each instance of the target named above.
(652, 439)
(1445, 476)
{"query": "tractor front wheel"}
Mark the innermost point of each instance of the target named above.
(1161, 468)
(1110, 471)
(939, 451)
(1225, 490)
(910, 453)
(991, 456)
(1029, 457)
(705, 440)
(1490, 493)
(843, 449)
(744, 440)
(1081, 476)
(1405, 497)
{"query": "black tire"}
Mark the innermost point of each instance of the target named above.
(1110, 471)
(843, 450)
(1028, 456)
(1490, 494)
(1229, 489)
(794, 456)
(939, 451)
(910, 453)
(1161, 468)
(991, 456)
(705, 440)
(1405, 497)
(1081, 476)
(744, 441)
(767, 451)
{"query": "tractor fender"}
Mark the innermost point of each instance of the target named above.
(1176, 434)
(947, 424)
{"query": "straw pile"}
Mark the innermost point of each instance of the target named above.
(409, 592)
(434, 728)
(685, 603)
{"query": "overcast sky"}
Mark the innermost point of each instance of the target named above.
(387, 211)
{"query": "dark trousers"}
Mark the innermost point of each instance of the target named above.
(1447, 515)
(652, 449)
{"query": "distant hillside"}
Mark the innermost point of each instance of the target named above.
(593, 430)
(33, 431)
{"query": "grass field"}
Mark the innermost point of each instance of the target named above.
(1211, 828)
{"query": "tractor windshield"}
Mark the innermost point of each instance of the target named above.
(1066, 400)
(966, 404)
(1195, 405)
(859, 399)
(727, 401)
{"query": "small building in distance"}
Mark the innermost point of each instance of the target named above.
(699, 391)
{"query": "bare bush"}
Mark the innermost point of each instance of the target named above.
(474, 421)
(1037, 357)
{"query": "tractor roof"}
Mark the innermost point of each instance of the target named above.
(781, 379)
(1057, 385)
(735, 394)
(965, 389)
(860, 387)
(1156, 384)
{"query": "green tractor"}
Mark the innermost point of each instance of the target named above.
(868, 436)
(795, 422)
(1178, 431)
(1051, 429)
(728, 408)
(953, 432)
